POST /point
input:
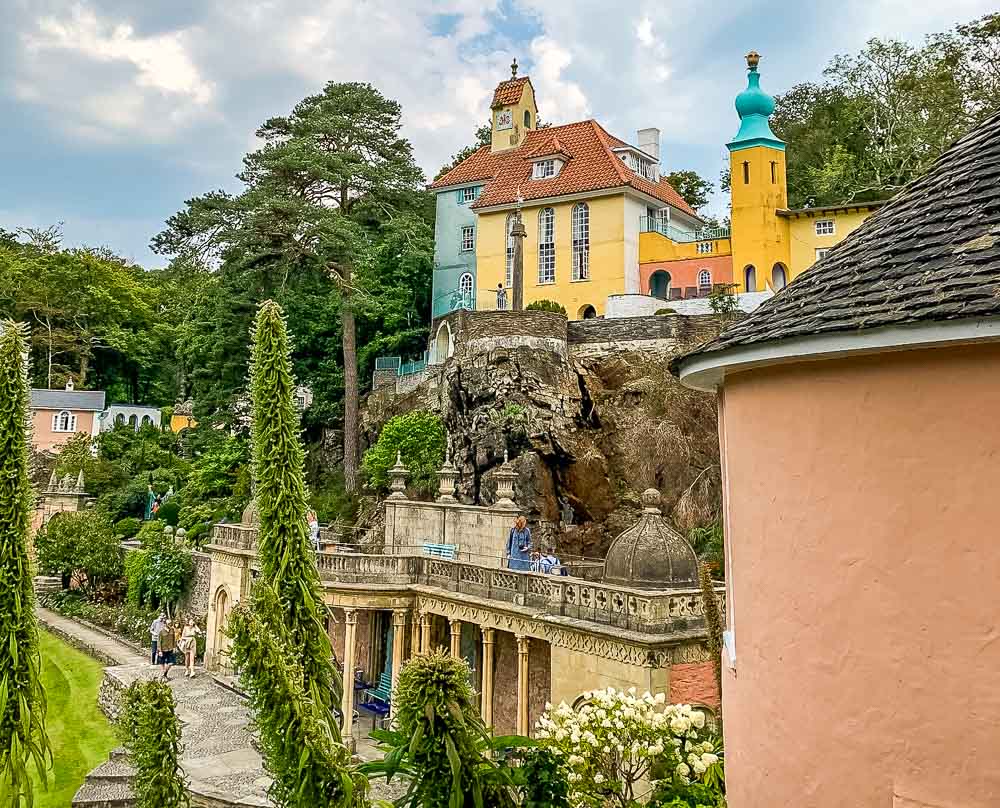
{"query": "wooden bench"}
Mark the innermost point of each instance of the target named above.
(447, 552)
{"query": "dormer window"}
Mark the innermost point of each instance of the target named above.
(641, 165)
(543, 169)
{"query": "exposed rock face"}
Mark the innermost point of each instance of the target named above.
(586, 430)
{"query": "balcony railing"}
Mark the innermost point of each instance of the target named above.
(641, 610)
(654, 224)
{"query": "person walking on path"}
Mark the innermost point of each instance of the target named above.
(154, 635)
(167, 648)
(189, 645)
(519, 546)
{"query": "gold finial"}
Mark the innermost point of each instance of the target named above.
(753, 59)
(513, 68)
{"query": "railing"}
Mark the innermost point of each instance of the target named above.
(654, 224)
(387, 363)
(416, 366)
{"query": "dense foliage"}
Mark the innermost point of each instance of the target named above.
(440, 743)
(298, 735)
(22, 700)
(160, 573)
(419, 438)
(546, 305)
(693, 188)
(286, 556)
(151, 733)
(81, 547)
(126, 619)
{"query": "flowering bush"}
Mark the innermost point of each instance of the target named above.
(615, 742)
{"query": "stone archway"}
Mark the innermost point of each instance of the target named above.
(587, 312)
(659, 284)
(221, 607)
(444, 346)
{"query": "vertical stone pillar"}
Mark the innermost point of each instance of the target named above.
(425, 632)
(523, 649)
(347, 706)
(456, 636)
(518, 233)
(414, 633)
(487, 694)
(398, 638)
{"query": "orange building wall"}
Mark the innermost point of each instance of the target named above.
(684, 273)
(861, 524)
(42, 436)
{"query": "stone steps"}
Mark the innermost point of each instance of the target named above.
(109, 785)
(44, 584)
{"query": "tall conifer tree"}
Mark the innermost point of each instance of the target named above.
(22, 699)
(286, 557)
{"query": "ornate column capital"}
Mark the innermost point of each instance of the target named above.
(351, 617)
(399, 617)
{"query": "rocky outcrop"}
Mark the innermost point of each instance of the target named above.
(586, 430)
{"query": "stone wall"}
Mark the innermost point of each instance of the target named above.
(645, 305)
(479, 533)
(504, 683)
(659, 334)
(574, 672)
(539, 680)
(694, 683)
(480, 332)
(197, 598)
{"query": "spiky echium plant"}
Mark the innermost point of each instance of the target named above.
(23, 741)
(287, 562)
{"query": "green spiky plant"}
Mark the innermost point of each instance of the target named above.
(151, 733)
(301, 748)
(286, 556)
(440, 743)
(22, 700)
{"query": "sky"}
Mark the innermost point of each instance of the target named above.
(116, 112)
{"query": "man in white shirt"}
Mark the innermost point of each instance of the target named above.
(154, 632)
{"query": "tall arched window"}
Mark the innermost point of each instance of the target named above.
(779, 278)
(64, 421)
(147, 421)
(750, 278)
(704, 281)
(581, 242)
(133, 421)
(465, 288)
(527, 119)
(511, 218)
(120, 418)
(546, 245)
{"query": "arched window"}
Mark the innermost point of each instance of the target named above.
(547, 245)
(750, 278)
(133, 421)
(587, 312)
(147, 421)
(581, 242)
(465, 289)
(704, 281)
(120, 418)
(64, 421)
(527, 119)
(779, 278)
(511, 218)
(659, 284)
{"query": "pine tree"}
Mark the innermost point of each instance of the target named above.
(22, 699)
(286, 558)
(149, 729)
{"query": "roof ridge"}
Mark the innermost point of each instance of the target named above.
(602, 134)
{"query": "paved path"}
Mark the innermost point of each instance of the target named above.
(218, 756)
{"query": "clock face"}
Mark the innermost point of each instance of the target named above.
(505, 119)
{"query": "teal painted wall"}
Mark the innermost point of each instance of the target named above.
(450, 260)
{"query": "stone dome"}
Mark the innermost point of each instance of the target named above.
(651, 554)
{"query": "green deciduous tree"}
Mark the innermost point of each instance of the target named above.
(693, 188)
(22, 700)
(80, 546)
(151, 733)
(286, 557)
(419, 438)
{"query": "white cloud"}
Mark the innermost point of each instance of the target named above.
(563, 100)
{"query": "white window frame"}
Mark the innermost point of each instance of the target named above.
(465, 287)
(822, 229)
(467, 195)
(821, 253)
(509, 275)
(546, 246)
(581, 241)
(702, 275)
(544, 169)
(468, 238)
(64, 421)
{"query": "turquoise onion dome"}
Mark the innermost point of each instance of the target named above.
(754, 107)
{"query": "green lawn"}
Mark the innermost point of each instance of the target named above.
(80, 735)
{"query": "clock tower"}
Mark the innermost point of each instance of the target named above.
(513, 111)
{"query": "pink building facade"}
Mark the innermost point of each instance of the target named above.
(861, 458)
(58, 415)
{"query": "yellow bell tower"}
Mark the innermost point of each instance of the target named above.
(761, 252)
(513, 110)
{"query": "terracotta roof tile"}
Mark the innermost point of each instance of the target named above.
(509, 92)
(481, 165)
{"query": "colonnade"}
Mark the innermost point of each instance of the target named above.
(420, 642)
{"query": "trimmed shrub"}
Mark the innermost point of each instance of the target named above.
(545, 305)
(128, 527)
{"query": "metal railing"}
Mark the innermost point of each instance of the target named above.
(654, 224)
(387, 363)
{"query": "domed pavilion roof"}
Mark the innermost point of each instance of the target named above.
(651, 554)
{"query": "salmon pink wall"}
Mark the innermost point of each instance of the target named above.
(684, 273)
(863, 571)
(42, 436)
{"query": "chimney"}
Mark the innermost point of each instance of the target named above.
(649, 142)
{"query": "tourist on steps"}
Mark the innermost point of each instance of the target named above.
(167, 646)
(154, 634)
(189, 645)
(519, 546)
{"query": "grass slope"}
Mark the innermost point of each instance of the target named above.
(81, 736)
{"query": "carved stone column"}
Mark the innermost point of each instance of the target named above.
(487, 694)
(523, 649)
(347, 706)
(518, 233)
(456, 636)
(425, 632)
(414, 633)
(398, 638)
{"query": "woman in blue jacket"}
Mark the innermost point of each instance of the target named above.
(519, 546)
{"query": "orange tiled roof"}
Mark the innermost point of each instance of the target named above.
(481, 165)
(509, 92)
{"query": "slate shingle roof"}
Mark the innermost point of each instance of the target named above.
(86, 400)
(930, 254)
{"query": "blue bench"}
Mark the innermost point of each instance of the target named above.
(447, 552)
(378, 698)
